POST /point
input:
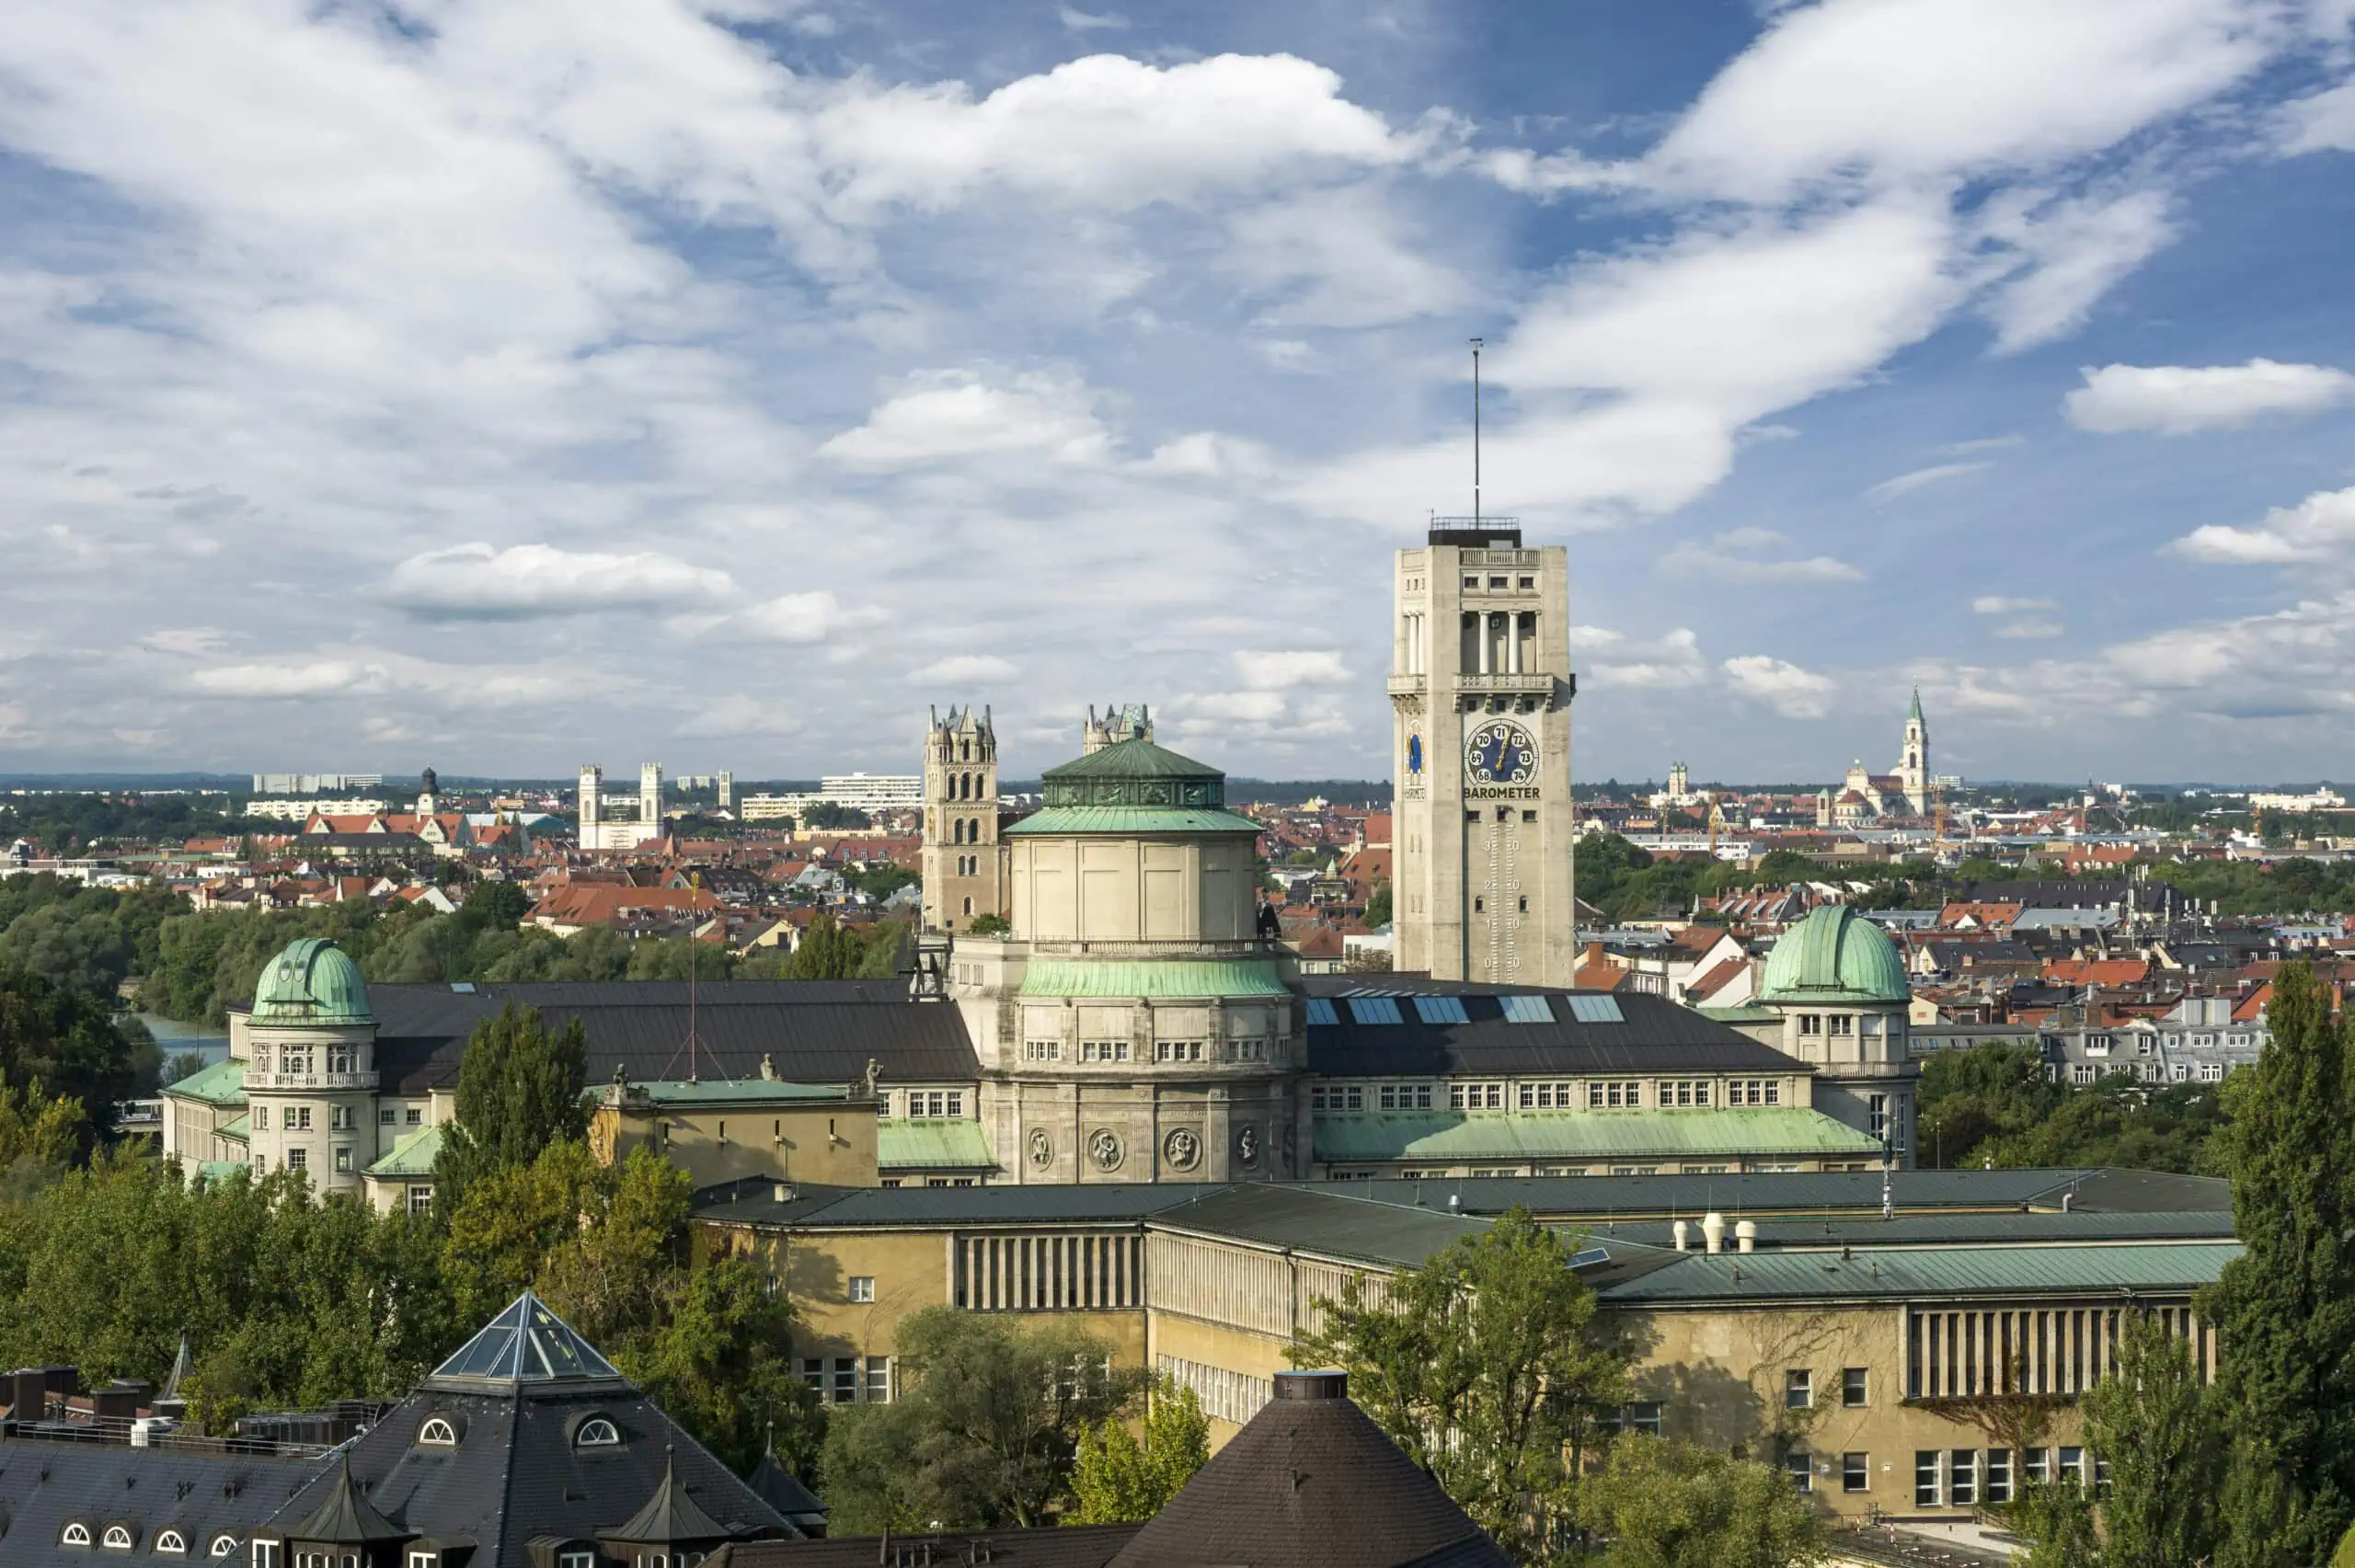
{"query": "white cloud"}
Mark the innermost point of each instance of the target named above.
(1695, 561)
(2325, 122)
(1998, 605)
(1887, 92)
(1081, 21)
(739, 715)
(1671, 663)
(955, 415)
(1790, 690)
(1904, 485)
(1983, 443)
(323, 678)
(2031, 629)
(1277, 671)
(799, 618)
(1343, 257)
(1748, 538)
(189, 642)
(2178, 399)
(2320, 528)
(962, 668)
(480, 579)
(2077, 250)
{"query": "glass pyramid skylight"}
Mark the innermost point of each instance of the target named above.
(526, 1343)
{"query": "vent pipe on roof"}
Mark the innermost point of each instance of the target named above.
(1683, 1234)
(1745, 1236)
(1713, 1232)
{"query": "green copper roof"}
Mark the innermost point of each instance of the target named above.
(1835, 955)
(412, 1156)
(222, 1084)
(2142, 1267)
(1173, 978)
(1135, 773)
(237, 1130)
(1133, 819)
(1741, 1014)
(1916, 715)
(314, 982)
(1515, 1135)
(947, 1143)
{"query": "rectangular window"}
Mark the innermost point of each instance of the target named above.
(1843, 1025)
(846, 1383)
(1798, 1389)
(1528, 1096)
(1856, 1472)
(414, 1117)
(387, 1116)
(1999, 1475)
(1926, 1478)
(1853, 1386)
(862, 1287)
(302, 1115)
(813, 1372)
(421, 1200)
(343, 1160)
(2072, 1466)
(1644, 1418)
(1810, 1023)
(298, 1159)
(1390, 1096)
(261, 1118)
(1701, 1093)
(1594, 1096)
(1877, 1122)
(1962, 1481)
(879, 1379)
(1800, 1466)
(2037, 1465)
(576, 1560)
(1774, 1093)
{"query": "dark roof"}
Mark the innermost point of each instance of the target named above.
(203, 1496)
(1601, 1198)
(2004, 1228)
(1329, 1219)
(670, 1518)
(781, 1490)
(1310, 1482)
(344, 1518)
(881, 1208)
(1656, 1037)
(1069, 1546)
(812, 1031)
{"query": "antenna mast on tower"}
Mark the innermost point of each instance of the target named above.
(1475, 429)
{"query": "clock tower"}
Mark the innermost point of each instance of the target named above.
(1480, 689)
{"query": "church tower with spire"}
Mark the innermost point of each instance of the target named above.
(1913, 763)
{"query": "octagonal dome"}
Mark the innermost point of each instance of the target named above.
(313, 982)
(1836, 956)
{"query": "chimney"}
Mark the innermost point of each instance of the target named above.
(1683, 1234)
(1713, 1232)
(1324, 1384)
(1745, 1236)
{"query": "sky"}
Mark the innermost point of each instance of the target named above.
(511, 385)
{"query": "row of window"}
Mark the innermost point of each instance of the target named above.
(413, 1115)
(1834, 1023)
(124, 1538)
(1611, 1094)
(849, 1380)
(1963, 1478)
(1798, 1389)
(1224, 1395)
(297, 1058)
(930, 1103)
(299, 1159)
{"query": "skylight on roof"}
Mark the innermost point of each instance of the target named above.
(1526, 1010)
(1440, 1010)
(1320, 1011)
(526, 1343)
(1374, 1010)
(1596, 1010)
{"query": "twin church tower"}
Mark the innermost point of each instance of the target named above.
(1482, 836)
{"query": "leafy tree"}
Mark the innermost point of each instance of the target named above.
(989, 925)
(519, 1091)
(2284, 1308)
(718, 1363)
(1659, 1504)
(1377, 906)
(37, 1129)
(826, 816)
(984, 1431)
(1488, 1364)
(1119, 1477)
(2158, 1429)
(66, 1041)
(2057, 1520)
(826, 952)
(181, 1064)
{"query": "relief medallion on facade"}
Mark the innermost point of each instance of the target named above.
(1182, 1148)
(1104, 1147)
(1043, 1148)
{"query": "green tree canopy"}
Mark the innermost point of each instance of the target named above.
(2157, 1428)
(1488, 1366)
(519, 1091)
(1658, 1504)
(1121, 1475)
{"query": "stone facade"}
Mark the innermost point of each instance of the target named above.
(1480, 690)
(964, 859)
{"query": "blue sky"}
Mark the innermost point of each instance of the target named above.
(512, 383)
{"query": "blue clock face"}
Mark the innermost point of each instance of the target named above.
(1500, 752)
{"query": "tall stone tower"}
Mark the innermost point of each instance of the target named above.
(592, 828)
(649, 801)
(1680, 784)
(964, 876)
(1913, 763)
(1480, 690)
(1131, 722)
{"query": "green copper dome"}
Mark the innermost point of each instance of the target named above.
(1836, 956)
(314, 982)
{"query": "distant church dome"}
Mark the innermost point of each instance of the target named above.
(313, 982)
(1835, 955)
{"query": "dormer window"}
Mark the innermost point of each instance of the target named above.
(171, 1541)
(117, 1537)
(597, 1433)
(75, 1533)
(437, 1433)
(224, 1544)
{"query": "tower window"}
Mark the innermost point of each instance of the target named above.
(1529, 816)
(1471, 582)
(1479, 906)
(1524, 903)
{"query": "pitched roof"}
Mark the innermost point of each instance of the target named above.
(526, 1344)
(1545, 1035)
(344, 1518)
(670, 1518)
(1311, 1482)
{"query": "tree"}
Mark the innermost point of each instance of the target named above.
(519, 1091)
(66, 1041)
(1377, 906)
(37, 1129)
(181, 1064)
(1488, 1364)
(1659, 1504)
(1118, 1478)
(983, 1431)
(989, 925)
(2157, 1428)
(2284, 1308)
(719, 1364)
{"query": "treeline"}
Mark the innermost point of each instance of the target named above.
(1627, 882)
(1997, 1103)
(67, 824)
(66, 951)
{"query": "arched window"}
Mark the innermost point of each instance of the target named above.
(76, 1534)
(224, 1544)
(117, 1539)
(437, 1433)
(171, 1540)
(969, 906)
(597, 1433)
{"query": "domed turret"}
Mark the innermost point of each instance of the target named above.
(1834, 957)
(313, 982)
